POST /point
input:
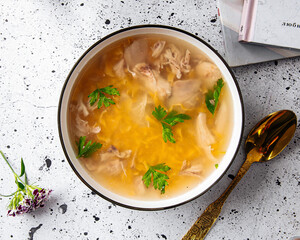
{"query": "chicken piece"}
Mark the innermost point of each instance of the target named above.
(119, 68)
(91, 108)
(83, 129)
(192, 170)
(184, 165)
(203, 133)
(204, 136)
(91, 163)
(157, 48)
(185, 62)
(163, 86)
(207, 150)
(140, 186)
(178, 63)
(132, 164)
(136, 53)
(221, 119)
(152, 80)
(209, 73)
(113, 167)
(82, 107)
(138, 109)
(172, 57)
(157, 64)
(113, 153)
(185, 92)
(111, 161)
(144, 73)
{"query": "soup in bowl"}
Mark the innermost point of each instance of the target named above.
(150, 117)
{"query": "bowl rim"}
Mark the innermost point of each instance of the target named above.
(107, 37)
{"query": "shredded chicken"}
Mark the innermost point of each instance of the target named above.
(138, 109)
(205, 137)
(163, 86)
(91, 163)
(140, 186)
(173, 57)
(157, 48)
(82, 107)
(132, 164)
(136, 53)
(152, 80)
(186, 93)
(91, 108)
(185, 62)
(113, 153)
(204, 134)
(123, 168)
(191, 170)
(83, 128)
(184, 165)
(144, 72)
(112, 167)
(207, 151)
(221, 118)
(119, 68)
(111, 161)
(208, 72)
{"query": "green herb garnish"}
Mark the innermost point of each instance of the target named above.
(159, 179)
(216, 165)
(168, 120)
(167, 133)
(88, 149)
(212, 97)
(99, 93)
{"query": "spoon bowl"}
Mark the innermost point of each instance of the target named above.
(271, 135)
(265, 141)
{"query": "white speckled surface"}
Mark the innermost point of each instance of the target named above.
(39, 43)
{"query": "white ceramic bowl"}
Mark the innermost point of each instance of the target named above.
(212, 178)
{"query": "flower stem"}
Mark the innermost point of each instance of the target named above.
(16, 175)
(8, 163)
(1, 195)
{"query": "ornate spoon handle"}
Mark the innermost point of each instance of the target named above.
(211, 213)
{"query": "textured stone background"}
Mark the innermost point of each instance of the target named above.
(41, 40)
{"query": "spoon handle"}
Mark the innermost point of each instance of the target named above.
(211, 213)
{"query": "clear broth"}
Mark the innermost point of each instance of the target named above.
(123, 126)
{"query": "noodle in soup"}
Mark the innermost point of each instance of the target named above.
(148, 72)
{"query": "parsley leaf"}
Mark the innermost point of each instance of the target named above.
(212, 97)
(216, 165)
(173, 118)
(99, 93)
(159, 179)
(159, 113)
(167, 133)
(168, 120)
(88, 149)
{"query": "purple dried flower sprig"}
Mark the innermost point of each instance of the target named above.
(27, 198)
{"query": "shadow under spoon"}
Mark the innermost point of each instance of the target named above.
(265, 141)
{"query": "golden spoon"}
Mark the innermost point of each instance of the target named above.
(265, 141)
